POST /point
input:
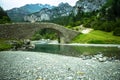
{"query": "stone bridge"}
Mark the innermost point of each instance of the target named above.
(27, 30)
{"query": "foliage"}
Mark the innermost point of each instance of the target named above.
(116, 7)
(97, 36)
(17, 43)
(111, 10)
(117, 31)
(36, 36)
(4, 45)
(44, 34)
(3, 17)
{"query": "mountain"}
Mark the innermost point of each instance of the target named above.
(39, 12)
(63, 9)
(88, 5)
(17, 14)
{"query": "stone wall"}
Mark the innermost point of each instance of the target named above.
(27, 30)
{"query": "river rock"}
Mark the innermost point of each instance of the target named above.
(69, 78)
(31, 46)
(98, 56)
(27, 42)
(102, 59)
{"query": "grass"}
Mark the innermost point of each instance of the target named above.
(97, 37)
(4, 45)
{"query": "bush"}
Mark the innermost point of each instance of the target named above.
(116, 31)
(108, 26)
(97, 25)
(36, 37)
(117, 23)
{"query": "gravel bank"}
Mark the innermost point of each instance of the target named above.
(21, 65)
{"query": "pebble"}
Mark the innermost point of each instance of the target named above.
(102, 59)
(69, 78)
(23, 65)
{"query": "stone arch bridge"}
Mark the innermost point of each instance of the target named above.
(27, 30)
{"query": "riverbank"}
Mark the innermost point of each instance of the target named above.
(55, 42)
(23, 65)
(4, 45)
(97, 45)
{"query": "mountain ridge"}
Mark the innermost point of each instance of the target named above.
(63, 9)
(40, 12)
(17, 14)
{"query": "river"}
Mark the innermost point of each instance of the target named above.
(76, 50)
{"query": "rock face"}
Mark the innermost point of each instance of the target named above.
(88, 5)
(43, 14)
(17, 14)
(63, 9)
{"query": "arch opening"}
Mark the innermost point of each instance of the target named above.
(49, 34)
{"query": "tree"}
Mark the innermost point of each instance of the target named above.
(3, 16)
(116, 7)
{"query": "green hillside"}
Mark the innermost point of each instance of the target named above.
(97, 36)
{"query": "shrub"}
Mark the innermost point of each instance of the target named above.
(97, 25)
(116, 31)
(108, 26)
(4, 45)
(36, 37)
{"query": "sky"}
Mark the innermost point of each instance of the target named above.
(9, 4)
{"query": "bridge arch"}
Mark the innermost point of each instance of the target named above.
(58, 34)
(26, 31)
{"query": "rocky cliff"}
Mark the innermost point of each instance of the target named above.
(63, 9)
(88, 5)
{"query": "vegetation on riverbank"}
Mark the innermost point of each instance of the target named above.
(97, 37)
(4, 45)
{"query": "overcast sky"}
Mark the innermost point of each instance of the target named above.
(9, 4)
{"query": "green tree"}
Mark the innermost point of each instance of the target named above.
(3, 16)
(116, 7)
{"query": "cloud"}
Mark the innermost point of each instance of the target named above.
(8, 4)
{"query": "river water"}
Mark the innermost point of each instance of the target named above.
(78, 50)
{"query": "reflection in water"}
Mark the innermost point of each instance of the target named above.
(70, 50)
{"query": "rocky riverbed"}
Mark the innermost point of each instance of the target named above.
(23, 65)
